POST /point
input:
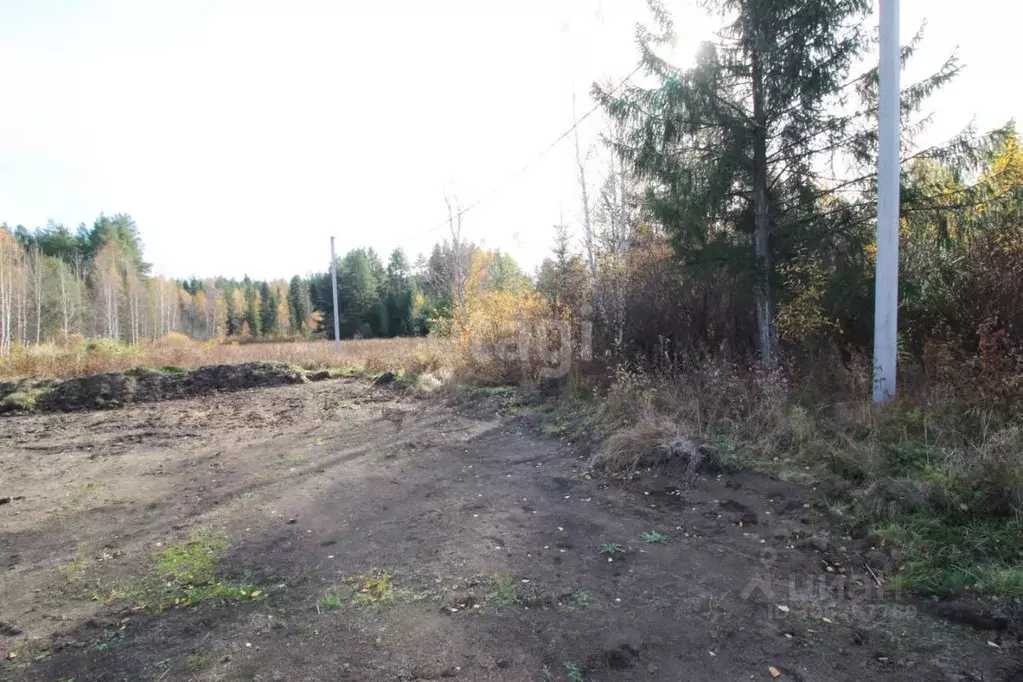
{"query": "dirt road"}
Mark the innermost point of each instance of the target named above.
(506, 561)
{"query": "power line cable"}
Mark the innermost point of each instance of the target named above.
(539, 157)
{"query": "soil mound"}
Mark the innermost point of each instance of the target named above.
(141, 385)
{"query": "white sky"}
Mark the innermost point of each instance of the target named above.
(241, 134)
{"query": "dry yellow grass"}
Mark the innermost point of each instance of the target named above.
(83, 357)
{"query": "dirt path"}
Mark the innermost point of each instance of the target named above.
(491, 534)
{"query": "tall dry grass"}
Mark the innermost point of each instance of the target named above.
(82, 357)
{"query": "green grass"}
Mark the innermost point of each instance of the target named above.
(575, 674)
(72, 568)
(330, 602)
(580, 599)
(493, 390)
(197, 662)
(349, 371)
(373, 589)
(653, 537)
(162, 370)
(611, 548)
(943, 558)
(22, 401)
(185, 574)
(502, 590)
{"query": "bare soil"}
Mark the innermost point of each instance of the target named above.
(492, 534)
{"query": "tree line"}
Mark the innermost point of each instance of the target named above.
(95, 282)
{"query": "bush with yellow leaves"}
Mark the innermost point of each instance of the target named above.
(507, 337)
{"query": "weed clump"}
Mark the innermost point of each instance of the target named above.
(186, 574)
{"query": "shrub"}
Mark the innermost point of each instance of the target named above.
(503, 337)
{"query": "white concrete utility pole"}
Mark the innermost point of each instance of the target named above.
(333, 281)
(886, 294)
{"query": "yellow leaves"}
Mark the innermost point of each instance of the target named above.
(497, 331)
(1006, 170)
(802, 315)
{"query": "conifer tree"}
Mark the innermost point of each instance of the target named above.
(267, 310)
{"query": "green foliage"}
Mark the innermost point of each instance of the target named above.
(611, 548)
(502, 590)
(299, 304)
(943, 558)
(330, 602)
(252, 317)
(185, 574)
(268, 301)
(374, 589)
(575, 674)
(653, 537)
(734, 152)
(563, 279)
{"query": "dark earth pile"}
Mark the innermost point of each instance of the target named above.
(141, 385)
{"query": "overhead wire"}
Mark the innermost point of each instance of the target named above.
(521, 171)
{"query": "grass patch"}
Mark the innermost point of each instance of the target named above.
(188, 571)
(654, 538)
(24, 400)
(502, 590)
(611, 548)
(197, 662)
(72, 568)
(373, 589)
(493, 390)
(162, 370)
(575, 674)
(185, 574)
(580, 599)
(330, 602)
(946, 558)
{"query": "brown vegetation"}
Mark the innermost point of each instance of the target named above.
(81, 357)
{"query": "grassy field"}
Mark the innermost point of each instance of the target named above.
(86, 357)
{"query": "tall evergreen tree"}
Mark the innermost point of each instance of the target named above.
(299, 304)
(399, 296)
(563, 279)
(733, 149)
(252, 315)
(731, 144)
(267, 310)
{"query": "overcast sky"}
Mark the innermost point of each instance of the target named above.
(240, 134)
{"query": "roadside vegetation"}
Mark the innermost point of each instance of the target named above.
(79, 357)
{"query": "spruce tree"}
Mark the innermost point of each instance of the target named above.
(737, 151)
(729, 146)
(268, 309)
(299, 305)
(252, 317)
